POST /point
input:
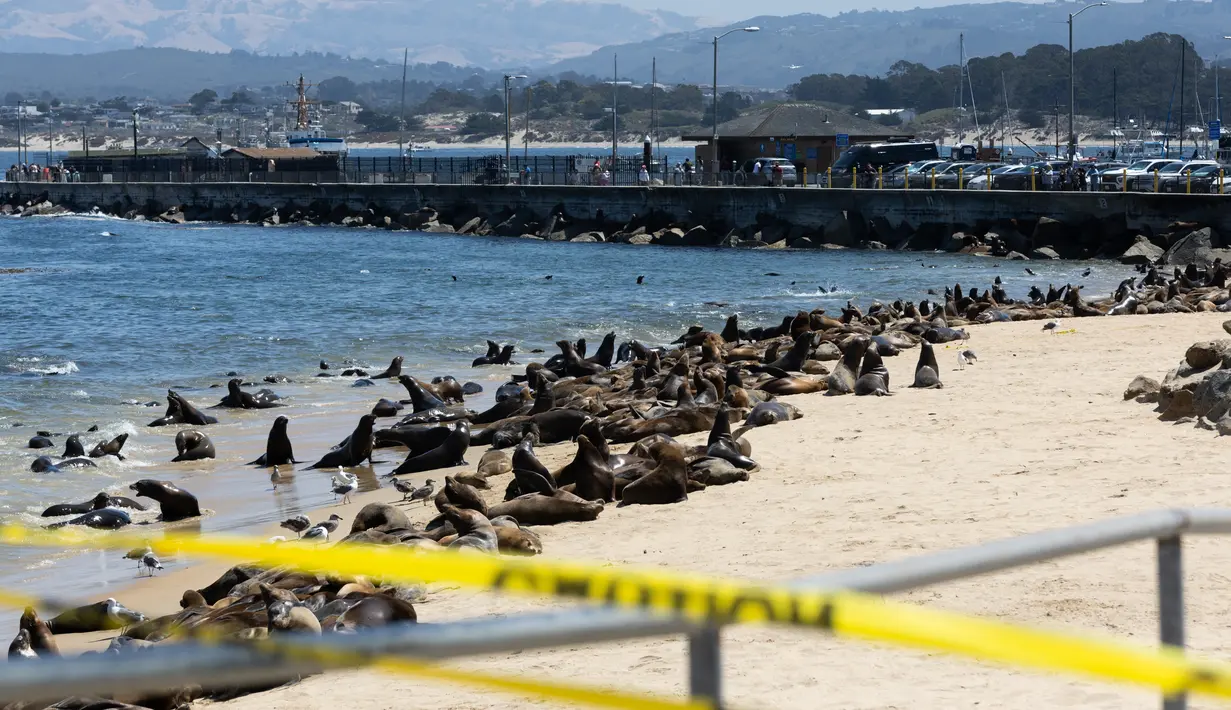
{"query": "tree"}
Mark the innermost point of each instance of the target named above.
(338, 88)
(118, 103)
(1031, 118)
(237, 98)
(11, 98)
(202, 99)
(483, 124)
(376, 122)
(729, 106)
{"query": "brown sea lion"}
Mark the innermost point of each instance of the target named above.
(495, 463)
(676, 423)
(375, 515)
(174, 502)
(474, 530)
(842, 379)
(193, 445)
(927, 371)
(110, 448)
(42, 642)
(588, 473)
(375, 611)
(287, 617)
(394, 370)
(667, 483)
(536, 509)
(460, 495)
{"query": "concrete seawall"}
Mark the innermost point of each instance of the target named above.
(1092, 222)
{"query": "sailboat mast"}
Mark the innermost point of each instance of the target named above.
(1183, 58)
(961, 86)
(1007, 128)
(402, 108)
(653, 105)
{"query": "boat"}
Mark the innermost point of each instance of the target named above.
(308, 133)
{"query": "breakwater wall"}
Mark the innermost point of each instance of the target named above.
(1073, 224)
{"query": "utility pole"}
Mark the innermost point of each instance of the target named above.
(1072, 90)
(402, 113)
(1183, 61)
(526, 137)
(134, 133)
(21, 110)
(1057, 109)
(615, 98)
(508, 127)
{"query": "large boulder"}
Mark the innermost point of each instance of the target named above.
(516, 223)
(1141, 252)
(1196, 247)
(846, 229)
(1044, 253)
(1049, 232)
(673, 237)
(1204, 355)
(1212, 398)
(698, 236)
(807, 243)
(1016, 256)
(1143, 389)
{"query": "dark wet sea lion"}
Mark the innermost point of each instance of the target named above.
(944, 335)
(103, 519)
(675, 423)
(842, 379)
(536, 509)
(107, 615)
(394, 370)
(420, 398)
(450, 453)
(460, 495)
(40, 442)
(181, 411)
(375, 611)
(73, 447)
(110, 448)
(42, 640)
(419, 438)
(102, 500)
(605, 352)
(238, 399)
(357, 448)
(667, 483)
(873, 377)
(193, 445)
(175, 503)
(725, 448)
(588, 473)
(44, 464)
(927, 371)
(574, 365)
(19, 648)
(386, 408)
(277, 447)
(504, 407)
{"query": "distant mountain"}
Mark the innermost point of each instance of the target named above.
(870, 42)
(490, 33)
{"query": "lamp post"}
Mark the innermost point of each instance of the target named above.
(1072, 89)
(507, 125)
(615, 112)
(714, 142)
(134, 133)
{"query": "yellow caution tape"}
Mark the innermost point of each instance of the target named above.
(705, 600)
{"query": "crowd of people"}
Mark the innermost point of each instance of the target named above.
(32, 172)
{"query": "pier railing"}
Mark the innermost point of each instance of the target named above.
(162, 668)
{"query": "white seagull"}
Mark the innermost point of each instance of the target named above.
(344, 484)
(150, 563)
(966, 357)
(1051, 325)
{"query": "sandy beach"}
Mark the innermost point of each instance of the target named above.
(1035, 436)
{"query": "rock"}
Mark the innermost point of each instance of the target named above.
(560, 235)
(807, 243)
(1197, 247)
(1017, 256)
(353, 221)
(1049, 232)
(640, 239)
(954, 242)
(827, 352)
(876, 246)
(588, 238)
(1179, 406)
(173, 216)
(731, 240)
(534, 237)
(751, 244)
(845, 230)
(1226, 325)
(438, 228)
(1204, 355)
(471, 226)
(828, 246)
(976, 250)
(673, 237)
(1212, 398)
(517, 223)
(698, 237)
(1141, 252)
(1143, 389)
(1044, 253)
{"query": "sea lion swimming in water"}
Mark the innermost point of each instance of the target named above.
(73, 447)
(238, 399)
(100, 519)
(927, 371)
(193, 445)
(277, 447)
(110, 448)
(102, 500)
(394, 370)
(181, 411)
(44, 464)
(355, 450)
(175, 503)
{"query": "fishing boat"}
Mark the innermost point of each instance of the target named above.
(309, 133)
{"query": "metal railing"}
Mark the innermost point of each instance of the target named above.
(233, 666)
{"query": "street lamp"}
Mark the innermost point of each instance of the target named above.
(507, 125)
(1072, 90)
(615, 111)
(714, 143)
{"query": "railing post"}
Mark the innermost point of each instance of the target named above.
(1171, 605)
(705, 666)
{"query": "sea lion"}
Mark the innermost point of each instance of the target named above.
(945, 335)
(110, 448)
(180, 411)
(277, 447)
(355, 450)
(44, 464)
(375, 611)
(98, 502)
(674, 423)
(667, 483)
(175, 503)
(19, 648)
(574, 365)
(450, 453)
(927, 371)
(107, 615)
(474, 530)
(419, 438)
(386, 408)
(495, 463)
(420, 398)
(193, 445)
(715, 472)
(606, 351)
(726, 449)
(588, 473)
(40, 442)
(536, 509)
(100, 519)
(460, 495)
(375, 515)
(529, 474)
(72, 447)
(873, 377)
(448, 389)
(505, 407)
(394, 370)
(286, 617)
(516, 540)
(238, 399)
(42, 641)
(842, 379)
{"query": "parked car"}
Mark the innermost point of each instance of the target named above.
(1204, 178)
(1172, 178)
(747, 174)
(1114, 180)
(980, 182)
(1095, 172)
(883, 155)
(946, 176)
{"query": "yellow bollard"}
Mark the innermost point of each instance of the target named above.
(989, 178)
(1032, 178)
(880, 178)
(828, 177)
(933, 178)
(960, 180)
(1189, 189)
(805, 176)
(1124, 180)
(1156, 180)
(854, 178)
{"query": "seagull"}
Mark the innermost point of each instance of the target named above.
(1031, 272)
(966, 357)
(330, 525)
(297, 524)
(276, 477)
(316, 532)
(343, 485)
(1051, 325)
(137, 553)
(424, 493)
(403, 487)
(793, 67)
(150, 563)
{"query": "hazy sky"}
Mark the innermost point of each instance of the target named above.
(731, 10)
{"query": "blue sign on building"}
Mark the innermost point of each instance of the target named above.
(788, 151)
(843, 140)
(1215, 130)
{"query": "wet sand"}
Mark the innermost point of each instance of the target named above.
(1035, 436)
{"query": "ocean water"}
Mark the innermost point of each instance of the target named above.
(101, 316)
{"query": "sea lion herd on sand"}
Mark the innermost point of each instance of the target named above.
(704, 381)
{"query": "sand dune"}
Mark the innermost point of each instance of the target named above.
(1035, 436)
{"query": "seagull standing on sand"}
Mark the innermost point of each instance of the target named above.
(297, 524)
(137, 553)
(966, 357)
(403, 487)
(317, 533)
(150, 563)
(1051, 325)
(424, 493)
(331, 524)
(344, 484)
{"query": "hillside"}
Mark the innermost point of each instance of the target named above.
(489, 33)
(870, 42)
